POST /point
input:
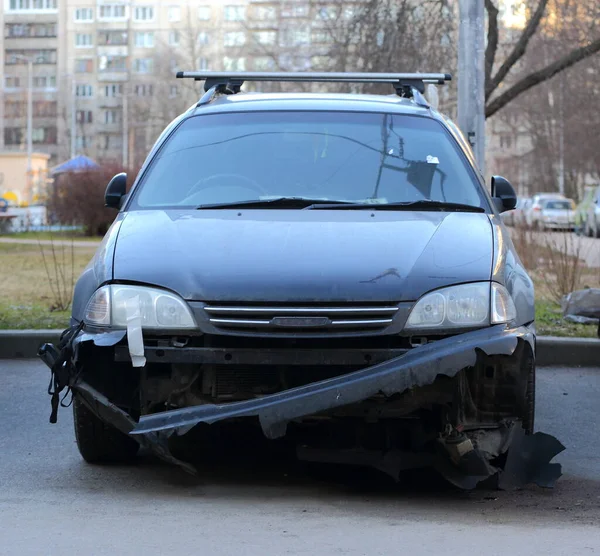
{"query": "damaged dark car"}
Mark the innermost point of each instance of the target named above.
(330, 267)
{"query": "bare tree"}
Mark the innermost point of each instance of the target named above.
(544, 19)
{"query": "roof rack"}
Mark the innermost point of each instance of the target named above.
(407, 85)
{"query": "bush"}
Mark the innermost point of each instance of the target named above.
(77, 198)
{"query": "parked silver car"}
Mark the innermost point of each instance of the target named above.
(592, 218)
(557, 214)
(534, 209)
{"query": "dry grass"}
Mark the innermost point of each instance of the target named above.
(28, 291)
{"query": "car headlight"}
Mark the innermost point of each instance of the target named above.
(111, 306)
(464, 306)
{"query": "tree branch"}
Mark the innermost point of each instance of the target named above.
(542, 75)
(518, 50)
(492, 42)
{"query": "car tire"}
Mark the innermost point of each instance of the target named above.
(529, 417)
(99, 442)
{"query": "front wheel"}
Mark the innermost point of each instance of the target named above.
(99, 442)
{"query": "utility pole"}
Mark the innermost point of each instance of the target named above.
(125, 136)
(73, 118)
(471, 76)
(30, 125)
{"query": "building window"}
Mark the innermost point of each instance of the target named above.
(32, 5)
(174, 38)
(294, 10)
(202, 64)
(349, 12)
(112, 63)
(265, 37)
(144, 39)
(290, 62)
(15, 57)
(14, 109)
(83, 40)
(322, 37)
(321, 62)
(234, 64)
(204, 13)
(111, 142)
(235, 13)
(82, 142)
(173, 91)
(112, 117)
(29, 30)
(84, 14)
(44, 82)
(83, 90)
(202, 38)
(143, 90)
(326, 13)
(12, 82)
(84, 65)
(112, 11)
(43, 135)
(143, 13)
(13, 136)
(106, 38)
(143, 65)
(45, 109)
(174, 13)
(84, 116)
(265, 13)
(264, 63)
(113, 91)
(234, 38)
(294, 36)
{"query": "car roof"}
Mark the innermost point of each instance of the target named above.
(253, 102)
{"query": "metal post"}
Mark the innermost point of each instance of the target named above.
(73, 119)
(30, 126)
(125, 127)
(471, 76)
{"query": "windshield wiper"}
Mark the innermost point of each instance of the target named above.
(276, 202)
(424, 204)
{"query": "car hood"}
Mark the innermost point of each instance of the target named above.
(304, 256)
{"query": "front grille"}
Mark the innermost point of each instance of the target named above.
(322, 318)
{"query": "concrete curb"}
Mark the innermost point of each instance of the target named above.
(22, 344)
(551, 351)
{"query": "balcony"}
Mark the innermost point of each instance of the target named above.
(113, 76)
(110, 102)
(113, 50)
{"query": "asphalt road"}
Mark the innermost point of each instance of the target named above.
(51, 502)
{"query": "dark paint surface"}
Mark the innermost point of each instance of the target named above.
(295, 255)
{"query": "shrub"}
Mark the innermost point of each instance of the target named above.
(77, 198)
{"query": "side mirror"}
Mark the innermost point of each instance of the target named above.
(115, 190)
(503, 194)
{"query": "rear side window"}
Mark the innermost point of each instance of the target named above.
(558, 205)
(222, 158)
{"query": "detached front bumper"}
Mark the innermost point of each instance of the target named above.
(421, 366)
(418, 367)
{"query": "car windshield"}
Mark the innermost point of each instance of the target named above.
(340, 156)
(558, 205)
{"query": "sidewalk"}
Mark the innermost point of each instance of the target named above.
(66, 242)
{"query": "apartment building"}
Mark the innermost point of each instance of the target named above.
(104, 70)
(31, 32)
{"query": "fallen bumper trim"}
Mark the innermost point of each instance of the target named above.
(418, 367)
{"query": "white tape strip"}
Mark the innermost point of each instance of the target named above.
(135, 339)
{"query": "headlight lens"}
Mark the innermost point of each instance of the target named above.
(111, 305)
(464, 306)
